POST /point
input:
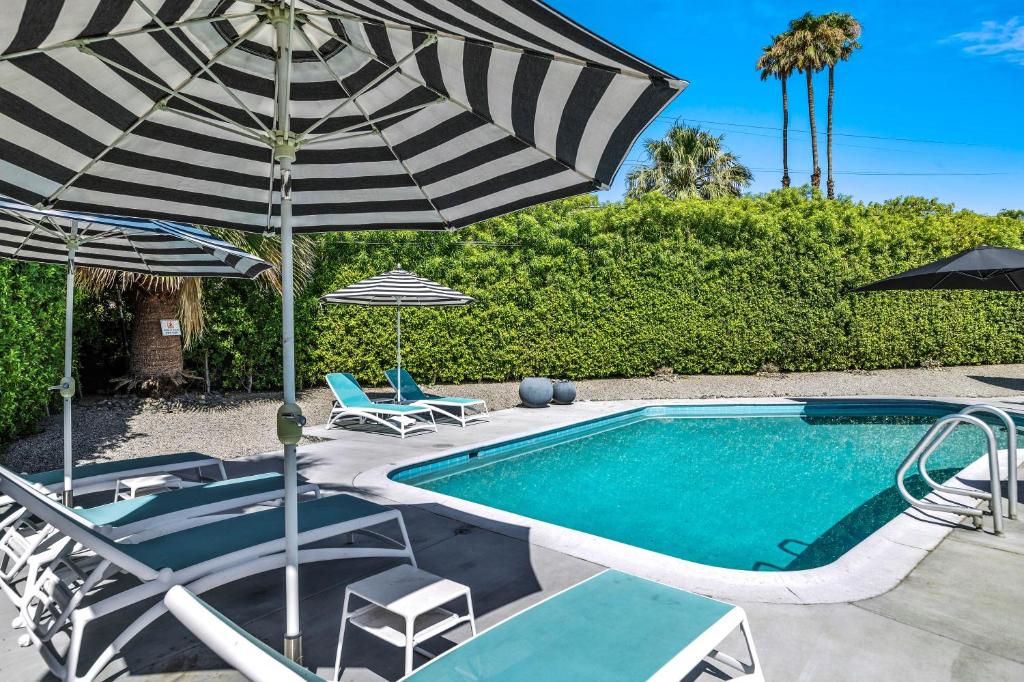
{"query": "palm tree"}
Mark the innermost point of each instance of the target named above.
(777, 62)
(803, 42)
(154, 360)
(688, 163)
(839, 32)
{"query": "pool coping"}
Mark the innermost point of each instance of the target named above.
(872, 567)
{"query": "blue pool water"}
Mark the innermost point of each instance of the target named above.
(750, 487)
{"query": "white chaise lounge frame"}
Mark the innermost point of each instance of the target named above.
(52, 602)
(261, 664)
(462, 410)
(23, 537)
(397, 418)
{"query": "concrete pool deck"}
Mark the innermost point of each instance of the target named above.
(956, 616)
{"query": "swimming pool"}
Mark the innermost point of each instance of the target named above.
(751, 487)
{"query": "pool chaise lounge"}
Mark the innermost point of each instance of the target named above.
(147, 515)
(89, 478)
(63, 596)
(611, 628)
(350, 402)
(462, 410)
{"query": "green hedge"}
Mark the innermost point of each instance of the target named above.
(580, 290)
(31, 342)
(576, 289)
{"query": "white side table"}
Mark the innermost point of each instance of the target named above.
(156, 483)
(404, 609)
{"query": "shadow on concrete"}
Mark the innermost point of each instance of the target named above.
(497, 566)
(1009, 383)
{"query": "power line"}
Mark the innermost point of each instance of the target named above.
(878, 173)
(822, 133)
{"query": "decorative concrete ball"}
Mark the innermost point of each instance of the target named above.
(535, 391)
(564, 392)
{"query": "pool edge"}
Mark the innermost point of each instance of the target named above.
(872, 567)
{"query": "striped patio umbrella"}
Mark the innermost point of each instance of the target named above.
(313, 115)
(398, 288)
(149, 247)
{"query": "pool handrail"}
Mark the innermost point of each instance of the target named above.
(931, 440)
(1011, 455)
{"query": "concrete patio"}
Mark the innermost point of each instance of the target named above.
(957, 616)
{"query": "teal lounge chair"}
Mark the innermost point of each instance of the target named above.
(90, 478)
(611, 628)
(462, 410)
(350, 402)
(138, 518)
(67, 587)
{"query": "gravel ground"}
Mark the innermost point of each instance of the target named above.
(239, 425)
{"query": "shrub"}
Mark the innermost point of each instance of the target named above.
(578, 289)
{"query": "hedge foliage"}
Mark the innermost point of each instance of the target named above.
(577, 289)
(31, 342)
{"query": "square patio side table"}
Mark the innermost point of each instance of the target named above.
(404, 609)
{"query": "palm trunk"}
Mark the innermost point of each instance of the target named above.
(155, 358)
(830, 185)
(816, 173)
(785, 134)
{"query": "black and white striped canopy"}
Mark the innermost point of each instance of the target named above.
(397, 288)
(142, 246)
(421, 114)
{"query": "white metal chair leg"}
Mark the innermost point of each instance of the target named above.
(341, 635)
(409, 624)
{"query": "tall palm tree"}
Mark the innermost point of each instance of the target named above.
(777, 62)
(154, 360)
(688, 163)
(804, 43)
(839, 32)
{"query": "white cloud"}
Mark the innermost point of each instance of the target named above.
(994, 38)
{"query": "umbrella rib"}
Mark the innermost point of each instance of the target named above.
(204, 67)
(175, 92)
(674, 83)
(77, 42)
(156, 106)
(35, 227)
(365, 115)
(351, 99)
(465, 107)
(340, 134)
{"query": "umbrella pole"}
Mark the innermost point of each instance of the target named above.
(289, 416)
(398, 326)
(67, 386)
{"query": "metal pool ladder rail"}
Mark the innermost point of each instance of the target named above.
(931, 441)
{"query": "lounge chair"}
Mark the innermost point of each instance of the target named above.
(90, 478)
(350, 402)
(61, 594)
(139, 517)
(612, 627)
(462, 410)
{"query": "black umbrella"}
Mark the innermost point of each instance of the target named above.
(990, 268)
(984, 268)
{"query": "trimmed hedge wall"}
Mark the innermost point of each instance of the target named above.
(580, 290)
(31, 342)
(577, 289)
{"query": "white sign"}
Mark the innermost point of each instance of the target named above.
(170, 327)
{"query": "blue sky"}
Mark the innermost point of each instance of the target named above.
(937, 72)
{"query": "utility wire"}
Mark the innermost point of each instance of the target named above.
(669, 117)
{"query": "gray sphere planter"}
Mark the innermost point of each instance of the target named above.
(535, 391)
(564, 392)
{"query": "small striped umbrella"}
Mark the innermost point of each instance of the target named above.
(142, 246)
(398, 288)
